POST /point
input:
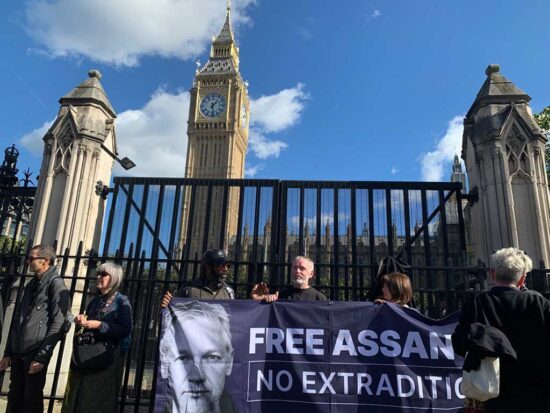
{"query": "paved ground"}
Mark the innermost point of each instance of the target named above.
(56, 409)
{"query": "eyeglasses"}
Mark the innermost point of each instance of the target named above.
(31, 258)
(102, 274)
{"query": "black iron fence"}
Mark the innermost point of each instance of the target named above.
(145, 281)
(157, 228)
(16, 199)
(345, 227)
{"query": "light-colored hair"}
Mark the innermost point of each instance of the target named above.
(190, 310)
(45, 251)
(301, 257)
(510, 264)
(400, 287)
(115, 271)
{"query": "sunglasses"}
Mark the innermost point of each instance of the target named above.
(102, 274)
(31, 258)
(224, 265)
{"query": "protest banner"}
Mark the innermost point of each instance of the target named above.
(245, 356)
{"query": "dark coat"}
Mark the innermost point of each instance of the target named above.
(39, 320)
(116, 319)
(200, 291)
(524, 318)
(486, 341)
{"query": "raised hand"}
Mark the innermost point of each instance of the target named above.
(260, 292)
(166, 299)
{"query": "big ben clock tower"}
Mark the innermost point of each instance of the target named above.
(218, 113)
(218, 139)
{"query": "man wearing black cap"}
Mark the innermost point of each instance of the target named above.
(211, 284)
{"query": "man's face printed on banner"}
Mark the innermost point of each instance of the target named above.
(203, 360)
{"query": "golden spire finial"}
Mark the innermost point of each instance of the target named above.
(228, 6)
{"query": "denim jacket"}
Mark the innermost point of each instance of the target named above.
(116, 317)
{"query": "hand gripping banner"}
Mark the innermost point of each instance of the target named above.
(245, 356)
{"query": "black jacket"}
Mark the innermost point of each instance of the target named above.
(39, 319)
(524, 318)
(486, 341)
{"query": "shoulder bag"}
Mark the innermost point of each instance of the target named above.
(482, 384)
(92, 353)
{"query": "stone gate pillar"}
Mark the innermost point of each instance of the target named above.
(503, 149)
(66, 207)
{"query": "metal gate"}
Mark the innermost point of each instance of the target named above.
(157, 228)
(345, 227)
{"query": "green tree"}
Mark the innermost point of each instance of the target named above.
(543, 120)
(6, 244)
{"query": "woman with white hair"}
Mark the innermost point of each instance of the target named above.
(523, 317)
(101, 341)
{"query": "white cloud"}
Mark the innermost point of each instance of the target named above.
(276, 112)
(33, 142)
(251, 171)
(376, 13)
(272, 114)
(436, 164)
(155, 136)
(394, 170)
(263, 147)
(304, 32)
(121, 32)
(326, 218)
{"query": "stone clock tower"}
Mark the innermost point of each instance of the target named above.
(218, 113)
(218, 140)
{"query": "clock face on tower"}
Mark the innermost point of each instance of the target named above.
(212, 105)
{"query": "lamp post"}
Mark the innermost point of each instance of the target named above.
(103, 189)
(125, 162)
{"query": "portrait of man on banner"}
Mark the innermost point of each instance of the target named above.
(196, 356)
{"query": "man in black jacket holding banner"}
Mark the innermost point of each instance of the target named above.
(38, 324)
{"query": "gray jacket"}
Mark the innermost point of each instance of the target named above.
(39, 319)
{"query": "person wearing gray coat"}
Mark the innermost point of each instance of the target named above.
(39, 323)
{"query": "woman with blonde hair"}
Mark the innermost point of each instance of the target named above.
(101, 340)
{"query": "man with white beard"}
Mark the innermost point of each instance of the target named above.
(302, 272)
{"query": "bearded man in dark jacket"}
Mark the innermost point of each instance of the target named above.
(38, 324)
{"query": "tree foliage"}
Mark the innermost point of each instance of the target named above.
(543, 120)
(7, 244)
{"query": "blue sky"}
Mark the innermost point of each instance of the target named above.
(351, 90)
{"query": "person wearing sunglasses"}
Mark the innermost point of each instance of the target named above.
(108, 319)
(38, 325)
(211, 285)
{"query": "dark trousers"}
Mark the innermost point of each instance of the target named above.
(26, 390)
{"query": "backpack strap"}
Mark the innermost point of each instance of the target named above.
(67, 322)
(229, 291)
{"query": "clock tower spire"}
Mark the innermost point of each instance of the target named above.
(218, 113)
(217, 131)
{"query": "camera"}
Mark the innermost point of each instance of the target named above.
(85, 339)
